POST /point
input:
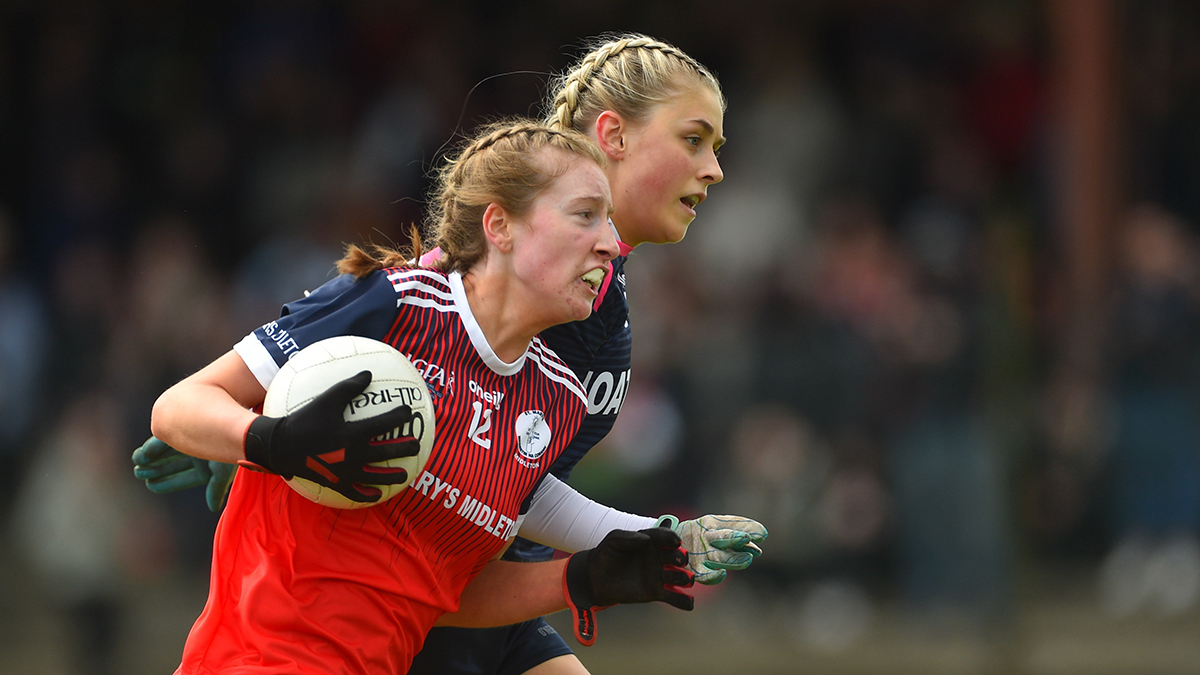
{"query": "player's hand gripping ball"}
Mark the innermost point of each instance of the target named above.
(394, 382)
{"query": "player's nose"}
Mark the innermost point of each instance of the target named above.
(606, 245)
(711, 172)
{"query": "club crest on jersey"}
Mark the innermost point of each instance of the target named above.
(533, 437)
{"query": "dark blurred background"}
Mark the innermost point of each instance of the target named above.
(937, 329)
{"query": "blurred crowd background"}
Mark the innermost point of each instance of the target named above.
(938, 328)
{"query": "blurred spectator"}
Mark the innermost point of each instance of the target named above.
(1154, 468)
(85, 529)
(945, 454)
(24, 333)
(762, 210)
(177, 317)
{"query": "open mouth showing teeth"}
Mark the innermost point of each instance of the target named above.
(691, 201)
(594, 278)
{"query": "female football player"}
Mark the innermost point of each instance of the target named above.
(522, 223)
(657, 115)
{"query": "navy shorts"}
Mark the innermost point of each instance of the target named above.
(508, 650)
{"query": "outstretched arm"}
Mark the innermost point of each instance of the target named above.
(626, 567)
(508, 592)
(560, 517)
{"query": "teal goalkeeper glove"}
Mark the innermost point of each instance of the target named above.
(717, 543)
(165, 470)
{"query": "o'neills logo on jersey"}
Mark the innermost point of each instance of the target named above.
(533, 437)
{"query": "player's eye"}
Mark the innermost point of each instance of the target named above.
(694, 141)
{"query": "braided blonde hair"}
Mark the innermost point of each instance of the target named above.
(505, 163)
(628, 74)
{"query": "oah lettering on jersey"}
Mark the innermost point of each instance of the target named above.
(606, 391)
(533, 437)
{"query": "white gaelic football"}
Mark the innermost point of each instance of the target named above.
(394, 381)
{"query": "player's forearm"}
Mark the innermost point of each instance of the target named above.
(508, 592)
(195, 420)
(206, 414)
(562, 518)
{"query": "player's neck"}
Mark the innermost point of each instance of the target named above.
(507, 321)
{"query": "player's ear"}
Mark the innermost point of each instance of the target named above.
(610, 134)
(497, 227)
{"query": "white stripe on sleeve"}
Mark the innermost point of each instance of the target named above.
(257, 359)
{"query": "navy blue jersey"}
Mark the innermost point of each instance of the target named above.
(598, 350)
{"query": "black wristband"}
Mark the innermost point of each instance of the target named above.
(257, 445)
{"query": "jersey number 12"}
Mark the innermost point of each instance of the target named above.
(481, 423)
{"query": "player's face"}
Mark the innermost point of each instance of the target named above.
(669, 162)
(562, 246)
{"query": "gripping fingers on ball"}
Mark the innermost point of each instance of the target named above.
(379, 475)
(355, 492)
(340, 394)
(395, 448)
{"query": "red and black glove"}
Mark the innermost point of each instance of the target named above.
(315, 442)
(626, 567)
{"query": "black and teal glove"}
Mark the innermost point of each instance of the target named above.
(166, 470)
(315, 442)
(717, 543)
(626, 567)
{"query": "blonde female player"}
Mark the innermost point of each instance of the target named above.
(300, 588)
(657, 115)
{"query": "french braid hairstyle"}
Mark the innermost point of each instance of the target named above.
(507, 163)
(628, 74)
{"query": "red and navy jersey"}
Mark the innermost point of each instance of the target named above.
(297, 587)
(598, 350)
